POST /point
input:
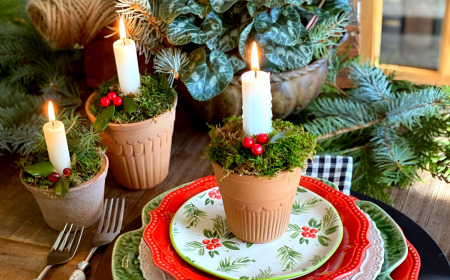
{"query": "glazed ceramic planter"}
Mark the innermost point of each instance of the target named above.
(139, 153)
(82, 205)
(257, 209)
(291, 92)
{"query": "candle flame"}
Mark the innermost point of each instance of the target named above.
(51, 112)
(254, 58)
(122, 31)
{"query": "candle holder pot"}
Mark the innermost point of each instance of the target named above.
(139, 152)
(257, 209)
(82, 205)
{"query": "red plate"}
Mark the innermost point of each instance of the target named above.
(345, 261)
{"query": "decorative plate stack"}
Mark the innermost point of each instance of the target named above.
(330, 236)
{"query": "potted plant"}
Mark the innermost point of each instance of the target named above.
(137, 129)
(294, 36)
(76, 196)
(258, 176)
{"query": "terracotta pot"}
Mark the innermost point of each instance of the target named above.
(291, 92)
(139, 152)
(82, 205)
(257, 209)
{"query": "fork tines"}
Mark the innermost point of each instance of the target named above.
(64, 236)
(111, 225)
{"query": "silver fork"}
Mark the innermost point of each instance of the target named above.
(104, 235)
(63, 251)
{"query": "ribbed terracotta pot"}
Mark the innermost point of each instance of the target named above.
(139, 153)
(257, 209)
(82, 205)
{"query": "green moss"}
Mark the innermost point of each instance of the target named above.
(226, 149)
(156, 96)
(84, 147)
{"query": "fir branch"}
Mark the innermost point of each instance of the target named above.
(372, 84)
(347, 130)
(193, 215)
(341, 91)
(170, 61)
(325, 33)
(226, 265)
(289, 257)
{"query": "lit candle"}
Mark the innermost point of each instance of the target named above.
(126, 62)
(256, 98)
(55, 138)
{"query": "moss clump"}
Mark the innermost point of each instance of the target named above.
(226, 149)
(84, 147)
(155, 97)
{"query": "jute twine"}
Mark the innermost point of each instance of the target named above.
(63, 23)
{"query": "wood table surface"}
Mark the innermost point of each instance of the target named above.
(25, 238)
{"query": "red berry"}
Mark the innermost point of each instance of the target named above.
(313, 230)
(105, 101)
(210, 247)
(217, 245)
(257, 149)
(306, 234)
(117, 101)
(215, 240)
(262, 138)
(218, 197)
(112, 95)
(205, 241)
(54, 177)
(217, 191)
(305, 228)
(313, 236)
(247, 142)
(212, 194)
(67, 172)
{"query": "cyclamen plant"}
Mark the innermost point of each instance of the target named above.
(217, 33)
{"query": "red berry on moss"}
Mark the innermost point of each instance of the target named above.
(112, 95)
(205, 241)
(117, 101)
(247, 142)
(257, 149)
(215, 240)
(54, 177)
(210, 247)
(67, 172)
(262, 138)
(105, 101)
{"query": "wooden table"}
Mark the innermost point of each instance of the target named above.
(25, 238)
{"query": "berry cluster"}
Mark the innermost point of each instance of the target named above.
(215, 194)
(211, 244)
(112, 97)
(54, 177)
(309, 233)
(256, 148)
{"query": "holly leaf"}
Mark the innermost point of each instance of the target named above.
(281, 25)
(183, 30)
(211, 253)
(280, 137)
(204, 81)
(236, 63)
(129, 105)
(312, 222)
(207, 233)
(231, 245)
(62, 186)
(40, 169)
(323, 240)
(170, 9)
(104, 118)
(221, 6)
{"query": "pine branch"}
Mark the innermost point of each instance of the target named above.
(372, 84)
(341, 91)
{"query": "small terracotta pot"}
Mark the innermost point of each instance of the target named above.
(82, 205)
(257, 209)
(139, 152)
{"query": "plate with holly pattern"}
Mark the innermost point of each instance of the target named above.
(199, 233)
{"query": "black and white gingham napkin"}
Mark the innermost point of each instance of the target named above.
(336, 169)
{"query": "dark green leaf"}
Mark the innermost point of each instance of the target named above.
(330, 230)
(249, 244)
(130, 105)
(104, 118)
(231, 245)
(307, 241)
(280, 137)
(212, 202)
(221, 6)
(244, 41)
(40, 169)
(312, 222)
(301, 240)
(211, 253)
(215, 252)
(183, 29)
(325, 241)
(170, 9)
(207, 233)
(276, 3)
(62, 186)
(207, 201)
(251, 8)
(301, 190)
(237, 63)
(332, 7)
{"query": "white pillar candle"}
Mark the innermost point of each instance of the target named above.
(126, 62)
(55, 138)
(256, 98)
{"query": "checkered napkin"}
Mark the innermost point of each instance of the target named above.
(336, 169)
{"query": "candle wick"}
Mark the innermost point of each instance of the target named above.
(123, 41)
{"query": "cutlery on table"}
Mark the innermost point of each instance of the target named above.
(102, 236)
(63, 249)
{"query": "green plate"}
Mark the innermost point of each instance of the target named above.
(395, 246)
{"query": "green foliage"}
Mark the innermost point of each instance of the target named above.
(227, 265)
(391, 128)
(287, 154)
(155, 97)
(289, 257)
(219, 29)
(193, 215)
(85, 151)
